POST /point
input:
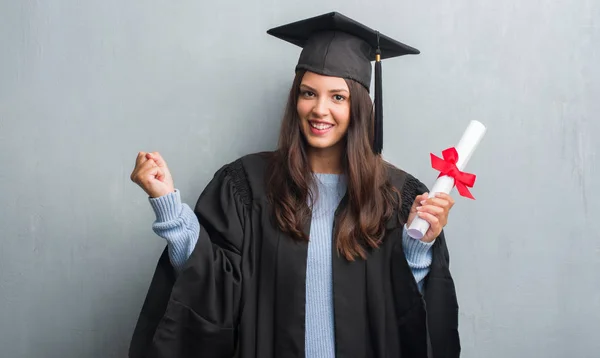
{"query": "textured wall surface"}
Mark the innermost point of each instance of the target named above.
(84, 86)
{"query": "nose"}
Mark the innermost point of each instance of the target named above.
(320, 109)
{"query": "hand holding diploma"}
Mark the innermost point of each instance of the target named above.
(423, 226)
(433, 211)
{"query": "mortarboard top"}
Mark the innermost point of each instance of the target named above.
(339, 46)
(335, 45)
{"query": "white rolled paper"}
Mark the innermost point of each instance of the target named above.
(444, 184)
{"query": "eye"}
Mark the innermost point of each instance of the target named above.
(307, 94)
(339, 98)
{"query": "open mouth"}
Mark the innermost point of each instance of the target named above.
(319, 127)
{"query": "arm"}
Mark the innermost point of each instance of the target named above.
(418, 255)
(203, 299)
(178, 225)
(439, 290)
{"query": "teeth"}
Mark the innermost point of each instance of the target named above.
(320, 126)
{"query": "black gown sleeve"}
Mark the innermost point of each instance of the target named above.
(195, 313)
(440, 298)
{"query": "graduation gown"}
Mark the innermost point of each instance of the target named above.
(242, 291)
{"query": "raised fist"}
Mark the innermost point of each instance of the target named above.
(152, 174)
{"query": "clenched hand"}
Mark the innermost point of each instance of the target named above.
(152, 174)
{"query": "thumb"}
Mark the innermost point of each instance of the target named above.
(159, 174)
(418, 200)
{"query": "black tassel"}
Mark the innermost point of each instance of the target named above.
(378, 125)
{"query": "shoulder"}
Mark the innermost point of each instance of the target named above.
(255, 164)
(404, 181)
(408, 185)
(245, 175)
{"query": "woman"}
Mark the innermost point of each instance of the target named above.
(303, 252)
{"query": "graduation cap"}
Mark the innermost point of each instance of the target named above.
(335, 45)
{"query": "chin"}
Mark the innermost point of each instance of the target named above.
(323, 143)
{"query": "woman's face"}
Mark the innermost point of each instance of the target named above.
(324, 110)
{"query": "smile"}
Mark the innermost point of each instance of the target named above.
(320, 126)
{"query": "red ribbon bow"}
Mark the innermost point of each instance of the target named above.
(447, 166)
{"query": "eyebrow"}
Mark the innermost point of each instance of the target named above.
(331, 91)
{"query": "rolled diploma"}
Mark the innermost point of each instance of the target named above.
(444, 184)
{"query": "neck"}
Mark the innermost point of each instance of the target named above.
(326, 161)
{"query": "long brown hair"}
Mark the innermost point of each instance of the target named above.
(371, 198)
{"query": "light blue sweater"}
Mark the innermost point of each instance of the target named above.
(178, 225)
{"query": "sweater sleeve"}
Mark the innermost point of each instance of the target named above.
(178, 225)
(418, 255)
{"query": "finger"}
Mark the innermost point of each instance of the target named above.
(437, 202)
(160, 174)
(153, 162)
(141, 157)
(418, 200)
(149, 156)
(148, 177)
(158, 159)
(440, 213)
(445, 196)
(432, 209)
(431, 219)
(139, 160)
(142, 170)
